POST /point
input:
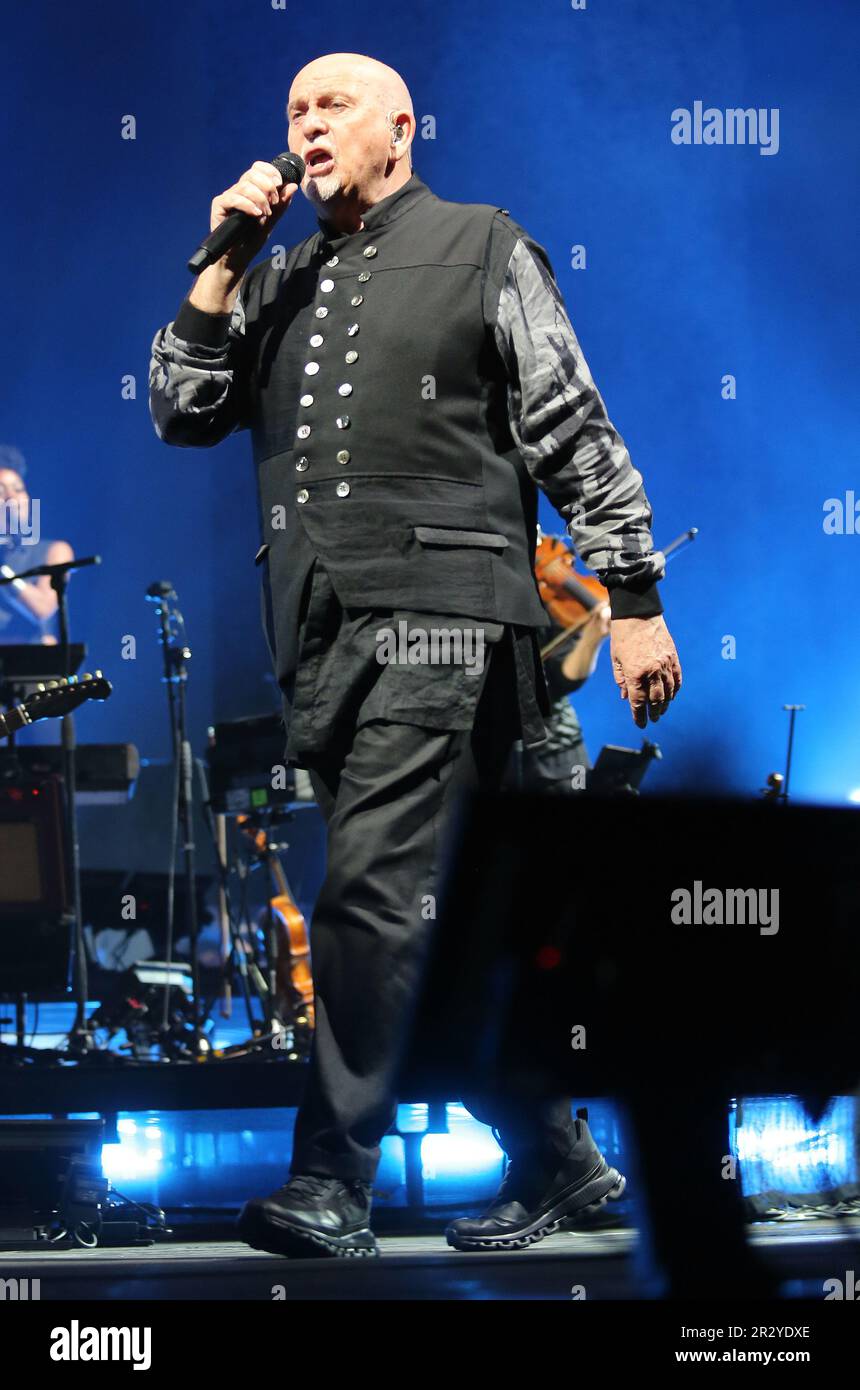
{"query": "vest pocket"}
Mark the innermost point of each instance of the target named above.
(455, 536)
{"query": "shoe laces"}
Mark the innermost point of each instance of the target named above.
(313, 1184)
(317, 1185)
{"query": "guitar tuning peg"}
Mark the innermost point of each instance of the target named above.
(52, 685)
(98, 675)
(40, 688)
(87, 676)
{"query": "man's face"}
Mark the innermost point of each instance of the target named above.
(338, 126)
(14, 503)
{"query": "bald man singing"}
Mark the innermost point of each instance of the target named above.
(410, 378)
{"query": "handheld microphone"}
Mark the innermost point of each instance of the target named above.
(235, 228)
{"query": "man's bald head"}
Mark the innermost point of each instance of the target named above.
(352, 121)
(381, 83)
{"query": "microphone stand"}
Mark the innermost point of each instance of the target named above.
(793, 711)
(80, 1038)
(176, 655)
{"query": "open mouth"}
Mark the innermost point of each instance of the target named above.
(319, 162)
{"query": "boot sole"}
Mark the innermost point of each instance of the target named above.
(606, 1185)
(298, 1242)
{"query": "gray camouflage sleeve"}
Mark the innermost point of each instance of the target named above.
(560, 426)
(198, 377)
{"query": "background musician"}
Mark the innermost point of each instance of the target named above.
(562, 764)
(28, 607)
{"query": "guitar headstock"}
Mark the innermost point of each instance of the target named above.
(55, 698)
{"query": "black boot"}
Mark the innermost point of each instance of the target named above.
(311, 1216)
(538, 1191)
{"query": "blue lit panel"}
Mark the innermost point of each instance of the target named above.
(464, 1165)
(780, 1148)
(219, 1158)
(442, 1158)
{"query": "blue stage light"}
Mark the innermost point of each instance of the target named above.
(138, 1154)
(445, 1156)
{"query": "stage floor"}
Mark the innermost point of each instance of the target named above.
(801, 1255)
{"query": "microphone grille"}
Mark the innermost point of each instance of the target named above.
(291, 167)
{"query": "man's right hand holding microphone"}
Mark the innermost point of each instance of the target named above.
(263, 196)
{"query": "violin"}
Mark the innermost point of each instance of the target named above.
(568, 597)
(295, 986)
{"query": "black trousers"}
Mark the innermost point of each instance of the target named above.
(385, 787)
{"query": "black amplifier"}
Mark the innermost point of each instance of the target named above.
(246, 767)
(105, 773)
(34, 930)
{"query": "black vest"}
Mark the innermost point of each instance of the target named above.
(378, 408)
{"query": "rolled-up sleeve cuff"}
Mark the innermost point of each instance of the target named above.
(641, 602)
(193, 325)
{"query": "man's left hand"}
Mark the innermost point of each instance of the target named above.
(645, 666)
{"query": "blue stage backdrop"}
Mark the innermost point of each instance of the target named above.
(710, 284)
